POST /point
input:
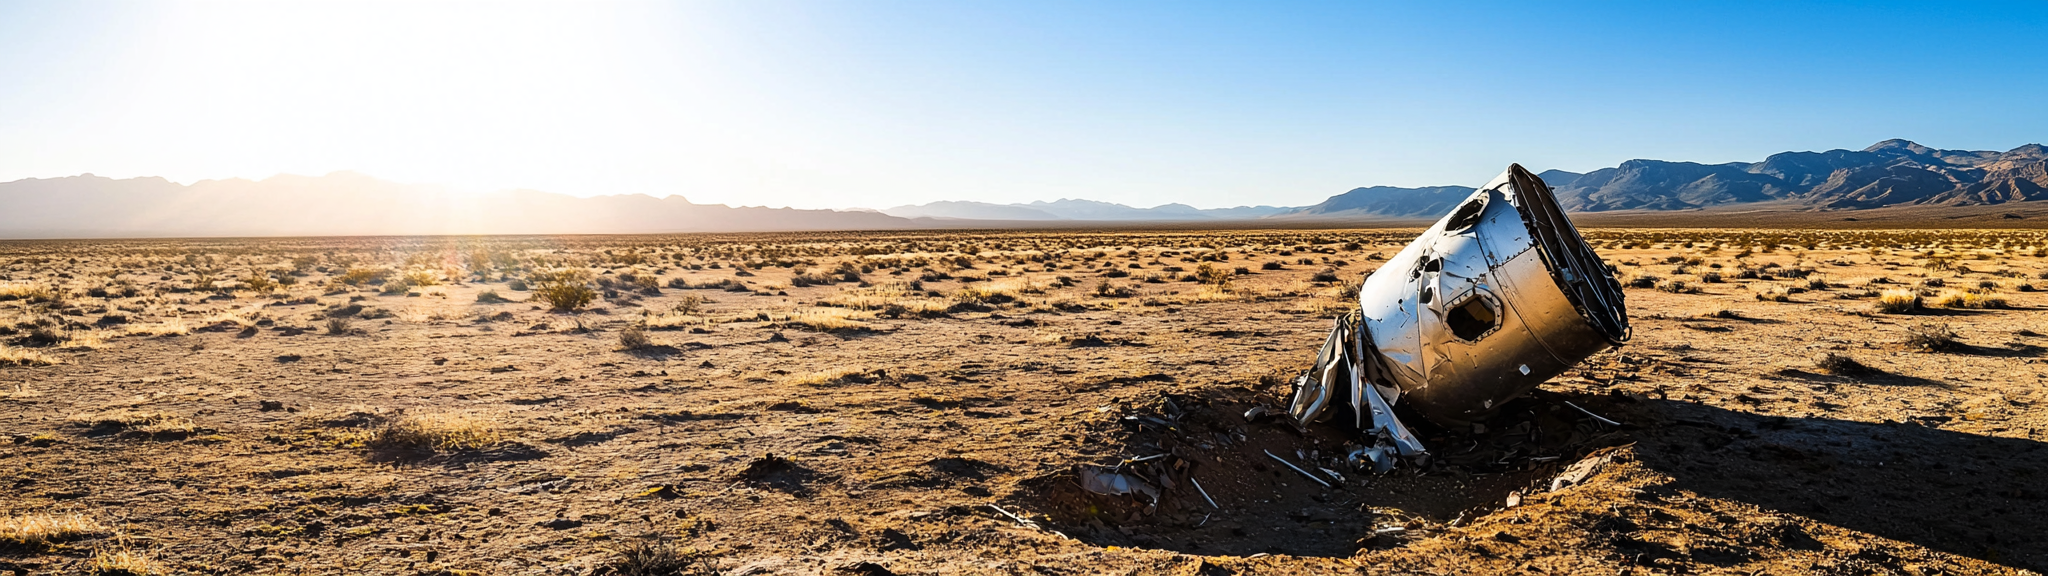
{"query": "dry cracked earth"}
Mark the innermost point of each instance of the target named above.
(1793, 402)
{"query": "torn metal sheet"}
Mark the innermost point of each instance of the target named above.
(1497, 297)
(1114, 483)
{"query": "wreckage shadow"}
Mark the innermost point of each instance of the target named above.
(1869, 376)
(1977, 496)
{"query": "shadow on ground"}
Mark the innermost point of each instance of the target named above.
(1977, 496)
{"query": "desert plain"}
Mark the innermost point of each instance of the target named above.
(1792, 402)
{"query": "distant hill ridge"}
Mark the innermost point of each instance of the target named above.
(1889, 173)
(1892, 173)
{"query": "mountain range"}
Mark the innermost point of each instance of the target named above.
(1892, 174)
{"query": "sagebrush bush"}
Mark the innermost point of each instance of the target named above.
(563, 290)
(1932, 338)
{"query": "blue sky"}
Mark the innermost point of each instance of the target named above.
(877, 104)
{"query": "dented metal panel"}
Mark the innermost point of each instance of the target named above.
(1495, 298)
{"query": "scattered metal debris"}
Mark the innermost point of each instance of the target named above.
(1595, 416)
(1499, 296)
(1107, 481)
(1269, 453)
(1205, 496)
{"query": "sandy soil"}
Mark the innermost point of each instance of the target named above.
(870, 425)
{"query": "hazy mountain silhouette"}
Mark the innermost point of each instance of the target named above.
(1079, 210)
(1889, 174)
(346, 203)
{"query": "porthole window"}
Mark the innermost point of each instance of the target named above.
(1473, 318)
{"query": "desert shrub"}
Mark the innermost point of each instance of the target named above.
(518, 285)
(1774, 294)
(1641, 281)
(260, 283)
(634, 338)
(1324, 275)
(1816, 284)
(1932, 338)
(564, 290)
(340, 327)
(1839, 364)
(649, 558)
(690, 304)
(1676, 287)
(1898, 301)
(490, 297)
(422, 278)
(1212, 275)
(395, 288)
(361, 276)
(1107, 289)
(1710, 278)
(1272, 266)
(443, 431)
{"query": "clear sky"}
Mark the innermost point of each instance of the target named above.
(881, 103)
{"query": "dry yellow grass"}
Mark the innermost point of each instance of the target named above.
(145, 421)
(29, 292)
(84, 340)
(125, 562)
(829, 319)
(440, 431)
(836, 376)
(1962, 299)
(38, 529)
(1898, 301)
(166, 328)
(12, 356)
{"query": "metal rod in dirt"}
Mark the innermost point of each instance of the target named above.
(1595, 416)
(1269, 454)
(1205, 493)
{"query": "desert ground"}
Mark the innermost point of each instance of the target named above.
(1793, 402)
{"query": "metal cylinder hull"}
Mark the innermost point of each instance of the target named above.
(1496, 298)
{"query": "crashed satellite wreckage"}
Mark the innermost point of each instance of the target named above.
(1497, 297)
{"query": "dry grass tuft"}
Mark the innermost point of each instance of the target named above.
(151, 423)
(12, 356)
(1898, 301)
(1972, 300)
(830, 319)
(33, 293)
(441, 432)
(36, 530)
(125, 562)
